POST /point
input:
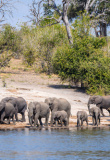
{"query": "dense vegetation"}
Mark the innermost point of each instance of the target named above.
(47, 49)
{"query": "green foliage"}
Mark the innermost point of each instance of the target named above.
(29, 56)
(39, 45)
(5, 57)
(9, 39)
(9, 44)
(84, 62)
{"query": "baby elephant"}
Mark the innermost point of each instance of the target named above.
(95, 113)
(81, 116)
(62, 116)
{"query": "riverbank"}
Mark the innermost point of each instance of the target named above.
(35, 87)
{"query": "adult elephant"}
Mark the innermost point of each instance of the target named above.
(103, 102)
(7, 111)
(37, 111)
(19, 104)
(58, 104)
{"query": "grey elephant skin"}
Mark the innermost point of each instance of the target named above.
(19, 104)
(62, 116)
(95, 113)
(103, 102)
(58, 104)
(7, 111)
(37, 111)
(81, 117)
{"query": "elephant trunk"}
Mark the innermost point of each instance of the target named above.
(30, 115)
(30, 121)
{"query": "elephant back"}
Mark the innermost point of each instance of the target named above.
(9, 109)
(2, 107)
(9, 99)
(21, 104)
(64, 105)
(62, 114)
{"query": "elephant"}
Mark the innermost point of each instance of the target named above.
(2, 108)
(62, 116)
(103, 102)
(8, 112)
(19, 104)
(58, 104)
(37, 111)
(81, 116)
(95, 113)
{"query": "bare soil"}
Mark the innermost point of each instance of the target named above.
(24, 82)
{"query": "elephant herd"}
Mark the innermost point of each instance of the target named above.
(10, 107)
(101, 102)
(59, 108)
(60, 111)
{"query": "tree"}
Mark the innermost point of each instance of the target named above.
(84, 62)
(5, 8)
(97, 10)
(38, 16)
(6, 36)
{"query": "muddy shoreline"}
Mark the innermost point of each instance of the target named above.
(38, 87)
(72, 125)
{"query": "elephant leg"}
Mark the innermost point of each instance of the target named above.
(96, 120)
(23, 117)
(61, 122)
(16, 116)
(2, 117)
(81, 122)
(68, 113)
(108, 111)
(13, 119)
(65, 123)
(40, 121)
(8, 120)
(93, 120)
(56, 123)
(46, 120)
(78, 122)
(102, 112)
(36, 120)
(51, 120)
(30, 121)
(87, 121)
(99, 119)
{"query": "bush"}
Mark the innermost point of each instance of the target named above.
(84, 62)
(39, 44)
(10, 38)
(9, 44)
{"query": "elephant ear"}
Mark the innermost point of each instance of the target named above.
(98, 100)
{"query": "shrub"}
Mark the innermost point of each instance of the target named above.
(39, 45)
(84, 62)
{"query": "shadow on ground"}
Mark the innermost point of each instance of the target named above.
(77, 89)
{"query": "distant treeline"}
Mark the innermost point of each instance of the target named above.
(47, 49)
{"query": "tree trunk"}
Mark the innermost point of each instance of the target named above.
(103, 29)
(96, 32)
(66, 22)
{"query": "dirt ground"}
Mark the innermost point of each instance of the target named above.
(34, 87)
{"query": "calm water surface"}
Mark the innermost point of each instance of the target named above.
(60, 144)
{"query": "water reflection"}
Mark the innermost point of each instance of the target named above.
(50, 144)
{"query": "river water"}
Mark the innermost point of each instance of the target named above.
(55, 144)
